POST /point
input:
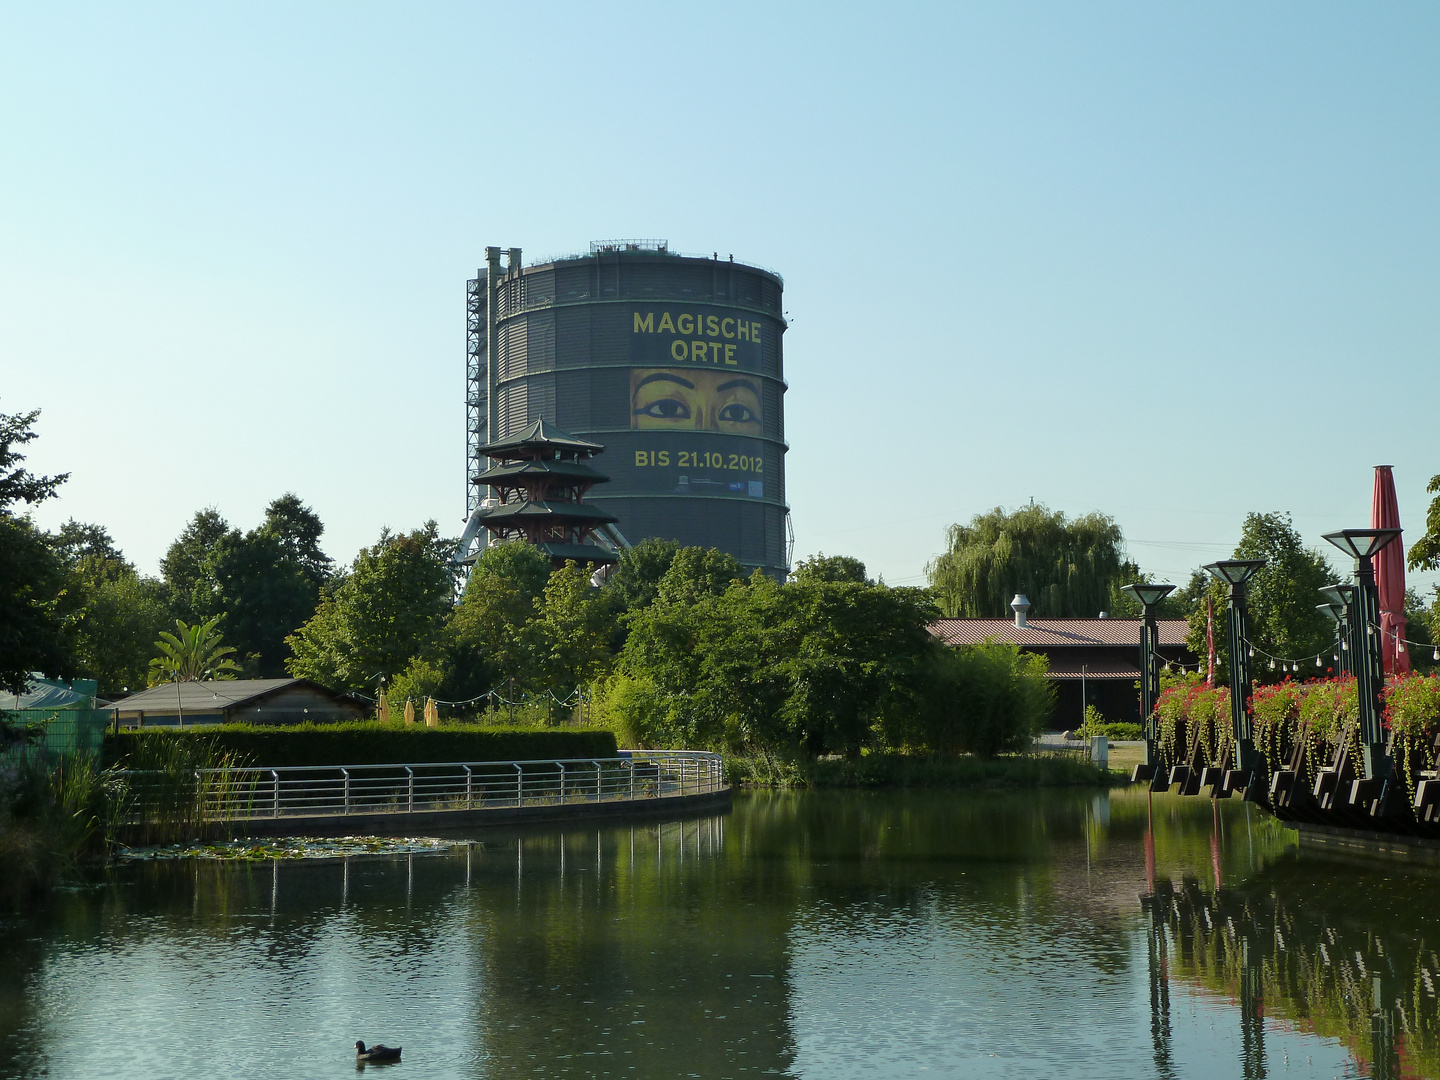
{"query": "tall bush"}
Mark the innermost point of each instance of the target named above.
(985, 699)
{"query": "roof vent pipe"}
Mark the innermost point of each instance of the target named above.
(1020, 606)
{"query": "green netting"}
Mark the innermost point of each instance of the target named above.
(57, 731)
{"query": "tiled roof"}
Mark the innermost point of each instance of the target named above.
(579, 552)
(212, 696)
(539, 435)
(565, 470)
(1073, 667)
(1049, 632)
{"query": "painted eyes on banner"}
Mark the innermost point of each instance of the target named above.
(665, 409)
(738, 413)
(694, 398)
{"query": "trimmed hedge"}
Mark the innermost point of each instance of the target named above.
(372, 743)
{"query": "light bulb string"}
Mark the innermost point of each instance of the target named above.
(1395, 636)
(494, 695)
(1198, 665)
(1291, 661)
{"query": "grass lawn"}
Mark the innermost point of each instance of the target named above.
(1125, 756)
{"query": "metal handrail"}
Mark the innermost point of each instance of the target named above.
(423, 787)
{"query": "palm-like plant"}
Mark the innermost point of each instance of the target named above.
(192, 653)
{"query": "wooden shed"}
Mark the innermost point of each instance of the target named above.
(1092, 661)
(238, 701)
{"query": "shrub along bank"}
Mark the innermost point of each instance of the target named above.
(368, 743)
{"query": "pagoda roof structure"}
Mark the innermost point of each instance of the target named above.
(548, 512)
(572, 471)
(539, 478)
(540, 437)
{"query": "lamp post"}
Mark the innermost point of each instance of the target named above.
(1149, 595)
(1342, 599)
(1236, 573)
(1335, 613)
(1366, 663)
(1337, 609)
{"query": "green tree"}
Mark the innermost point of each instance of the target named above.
(1420, 630)
(18, 484)
(809, 667)
(486, 631)
(192, 654)
(297, 529)
(262, 584)
(1425, 555)
(1178, 605)
(829, 568)
(112, 614)
(270, 581)
(695, 573)
(1425, 552)
(1281, 599)
(389, 609)
(850, 653)
(188, 566)
(635, 581)
(114, 617)
(983, 699)
(569, 638)
(32, 576)
(1066, 568)
(32, 588)
(78, 540)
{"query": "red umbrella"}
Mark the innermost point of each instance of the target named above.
(1390, 575)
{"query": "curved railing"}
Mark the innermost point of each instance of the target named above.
(430, 787)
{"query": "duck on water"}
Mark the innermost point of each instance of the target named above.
(378, 1052)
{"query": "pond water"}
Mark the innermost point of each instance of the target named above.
(816, 935)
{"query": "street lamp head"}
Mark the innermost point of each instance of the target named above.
(1362, 544)
(1339, 595)
(1334, 612)
(1148, 593)
(1234, 571)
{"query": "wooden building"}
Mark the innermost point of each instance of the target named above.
(238, 701)
(1092, 661)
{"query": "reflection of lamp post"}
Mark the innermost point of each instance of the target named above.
(1149, 595)
(1236, 573)
(1363, 545)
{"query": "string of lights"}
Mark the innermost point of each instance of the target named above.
(1294, 664)
(1402, 642)
(1183, 668)
(494, 696)
(1288, 663)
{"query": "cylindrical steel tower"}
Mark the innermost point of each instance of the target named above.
(673, 363)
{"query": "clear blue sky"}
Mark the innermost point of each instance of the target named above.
(1171, 263)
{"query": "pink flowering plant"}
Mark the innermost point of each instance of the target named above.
(1412, 716)
(1202, 711)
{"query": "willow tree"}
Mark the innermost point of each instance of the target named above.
(1066, 568)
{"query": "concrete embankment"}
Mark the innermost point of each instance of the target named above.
(408, 824)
